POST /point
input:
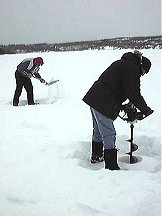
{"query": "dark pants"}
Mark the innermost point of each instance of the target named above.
(20, 83)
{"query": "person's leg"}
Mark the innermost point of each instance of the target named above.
(96, 137)
(19, 86)
(97, 145)
(105, 129)
(29, 89)
(108, 134)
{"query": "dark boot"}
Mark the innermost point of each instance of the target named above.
(16, 99)
(33, 104)
(110, 157)
(97, 152)
(15, 104)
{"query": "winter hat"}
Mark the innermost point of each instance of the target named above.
(146, 64)
(38, 60)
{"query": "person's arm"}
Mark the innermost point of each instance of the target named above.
(38, 76)
(131, 84)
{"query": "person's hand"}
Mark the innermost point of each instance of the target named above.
(140, 115)
(149, 112)
(42, 80)
(29, 75)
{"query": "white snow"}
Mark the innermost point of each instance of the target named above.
(45, 149)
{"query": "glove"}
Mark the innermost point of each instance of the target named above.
(139, 116)
(42, 80)
(26, 74)
(149, 112)
(29, 75)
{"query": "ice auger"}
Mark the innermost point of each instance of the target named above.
(129, 116)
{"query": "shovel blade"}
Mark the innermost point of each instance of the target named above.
(52, 82)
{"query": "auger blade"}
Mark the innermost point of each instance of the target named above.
(134, 148)
(133, 160)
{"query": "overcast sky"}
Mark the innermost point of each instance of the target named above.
(51, 21)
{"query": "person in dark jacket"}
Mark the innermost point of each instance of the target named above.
(119, 82)
(27, 69)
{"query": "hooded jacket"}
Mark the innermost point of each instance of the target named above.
(119, 82)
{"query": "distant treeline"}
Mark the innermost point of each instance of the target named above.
(154, 42)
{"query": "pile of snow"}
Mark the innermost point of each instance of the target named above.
(45, 149)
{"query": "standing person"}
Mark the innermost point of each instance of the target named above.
(27, 69)
(119, 82)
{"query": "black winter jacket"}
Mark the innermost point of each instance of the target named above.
(119, 82)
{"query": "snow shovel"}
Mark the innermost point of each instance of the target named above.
(47, 83)
(51, 83)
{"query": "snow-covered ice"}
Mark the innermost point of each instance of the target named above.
(45, 165)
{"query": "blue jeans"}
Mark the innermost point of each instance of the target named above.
(103, 130)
